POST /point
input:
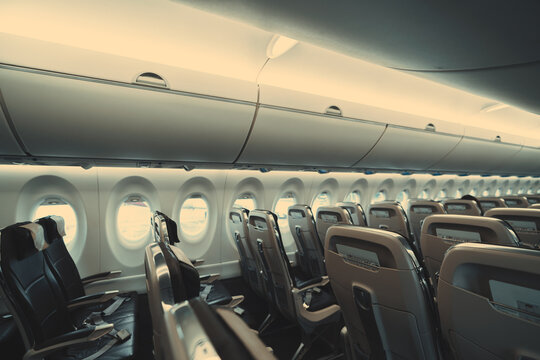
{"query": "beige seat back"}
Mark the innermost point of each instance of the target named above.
(487, 203)
(535, 206)
(440, 232)
(310, 253)
(525, 222)
(196, 331)
(358, 217)
(517, 201)
(418, 211)
(489, 302)
(264, 231)
(462, 207)
(380, 288)
(329, 216)
(238, 224)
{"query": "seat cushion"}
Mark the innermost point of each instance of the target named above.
(322, 299)
(219, 295)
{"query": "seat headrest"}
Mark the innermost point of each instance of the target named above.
(38, 235)
(60, 225)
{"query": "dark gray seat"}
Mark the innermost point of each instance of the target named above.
(310, 248)
(44, 318)
(386, 301)
(489, 302)
(194, 330)
(358, 217)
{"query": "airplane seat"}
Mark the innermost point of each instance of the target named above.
(310, 251)
(195, 329)
(441, 232)
(293, 297)
(418, 211)
(238, 222)
(462, 207)
(516, 201)
(489, 302)
(206, 286)
(535, 206)
(487, 203)
(328, 216)
(356, 211)
(378, 282)
(43, 316)
(390, 216)
(115, 307)
(533, 199)
(525, 222)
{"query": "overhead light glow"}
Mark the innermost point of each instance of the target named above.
(279, 45)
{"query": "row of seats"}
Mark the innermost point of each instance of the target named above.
(48, 301)
(357, 253)
(192, 315)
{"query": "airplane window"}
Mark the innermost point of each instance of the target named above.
(59, 207)
(323, 199)
(459, 193)
(530, 191)
(403, 198)
(441, 195)
(509, 191)
(379, 196)
(133, 220)
(354, 197)
(485, 192)
(281, 210)
(498, 192)
(538, 191)
(247, 201)
(521, 190)
(424, 194)
(194, 216)
(473, 192)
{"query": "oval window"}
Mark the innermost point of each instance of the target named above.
(509, 191)
(459, 193)
(59, 207)
(194, 217)
(498, 192)
(281, 209)
(441, 195)
(133, 221)
(323, 199)
(473, 192)
(424, 194)
(379, 196)
(521, 191)
(485, 192)
(354, 197)
(246, 201)
(403, 198)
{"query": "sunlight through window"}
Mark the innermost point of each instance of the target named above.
(133, 219)
(246, 201)
(323, 199)
(354, 197)
(379, 196)
(194, 216)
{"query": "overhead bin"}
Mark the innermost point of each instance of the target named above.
(59, 116)
(8, 144)
(412, 147)
(525, 162)
(288, 137)
(480, 150)
(192, 50)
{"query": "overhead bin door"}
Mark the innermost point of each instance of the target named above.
(409, 148)
(8, 145)
(480, 150)
(283, 137)
(59, 116)
(525, 162)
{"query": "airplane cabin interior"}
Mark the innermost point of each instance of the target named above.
(204, 179)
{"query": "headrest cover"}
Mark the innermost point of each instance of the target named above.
(60, 224)
(38, 235)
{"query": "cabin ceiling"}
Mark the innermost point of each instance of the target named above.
(486, 47)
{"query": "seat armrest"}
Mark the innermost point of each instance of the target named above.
(92, 299)
(101, 276)
(86, 334)
(197, 262)
(208, 279)
(312, 283)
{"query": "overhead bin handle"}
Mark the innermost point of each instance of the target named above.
(430, 127)
(497, 139)
(333, 110)
(151, 79)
